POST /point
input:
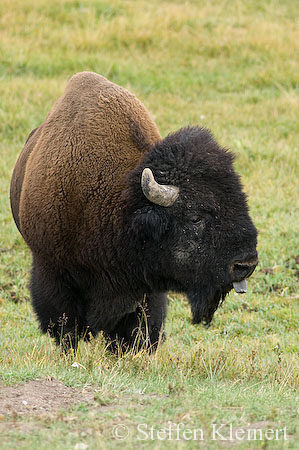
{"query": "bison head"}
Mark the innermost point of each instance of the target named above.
(190, 220)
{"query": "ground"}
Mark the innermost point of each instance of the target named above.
(39, 397)
(229, 66)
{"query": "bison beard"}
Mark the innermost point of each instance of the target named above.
(116, 216)
(203, 310)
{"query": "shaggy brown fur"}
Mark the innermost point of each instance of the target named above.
(82, 132)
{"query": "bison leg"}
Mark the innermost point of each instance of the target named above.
(142, 328)
(58, 306)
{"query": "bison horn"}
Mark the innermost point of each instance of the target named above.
(161, 194)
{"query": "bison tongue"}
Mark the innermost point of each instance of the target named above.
(240, 286)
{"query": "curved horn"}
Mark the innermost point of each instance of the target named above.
(161, 194)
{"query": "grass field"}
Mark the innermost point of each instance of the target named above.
(231, 66)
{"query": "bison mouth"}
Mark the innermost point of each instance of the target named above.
(206, 301)
(207, 296)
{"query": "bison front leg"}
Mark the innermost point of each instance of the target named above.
(143, 328)
(58, 306)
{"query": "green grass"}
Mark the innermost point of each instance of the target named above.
(231, 66)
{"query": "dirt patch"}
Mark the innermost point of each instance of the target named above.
(40, 396)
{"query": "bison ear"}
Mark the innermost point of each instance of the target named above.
(150, 223)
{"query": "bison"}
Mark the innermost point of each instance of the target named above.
(115, 217)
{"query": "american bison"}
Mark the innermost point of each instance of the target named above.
(115, 216)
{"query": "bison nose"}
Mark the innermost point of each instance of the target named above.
(243, 269)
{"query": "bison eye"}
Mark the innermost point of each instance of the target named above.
(204, 218)
(196, 220)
